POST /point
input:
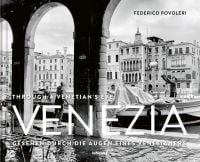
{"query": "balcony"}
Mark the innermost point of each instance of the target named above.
(183, 80)
(183, 65)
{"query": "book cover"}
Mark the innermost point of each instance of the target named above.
(99, 80)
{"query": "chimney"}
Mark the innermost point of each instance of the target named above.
(65, 50)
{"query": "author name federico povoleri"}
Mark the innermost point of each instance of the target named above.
(162, 12)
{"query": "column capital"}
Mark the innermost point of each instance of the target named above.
(29, 44)
(105, 33)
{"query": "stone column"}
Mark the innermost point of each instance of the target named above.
(28, 80)
(143, 67)
(102, 87)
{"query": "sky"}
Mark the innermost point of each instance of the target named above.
(55, 29)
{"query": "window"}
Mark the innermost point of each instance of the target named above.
(61, 76)
(55, 76)
(61, 67)
(188, 76)
(35, 67)
(55, 84)
(43, 61)
(39, 76)
(188, 85)
(108, 75)
(170, 51)
(163, 49)
(43, 67)
(109, 59)
(187, 50)
(122, 51)
(127, 51)
(180, 51)
(156, 76)
(50, 60)
(39, 61)
(110, 46)
(133, 50)
(115, 75)
(178, 85)
(50, 76)
(61, 60)
(137, 49)
(193, 75)
(176, 50)
(55, 60)
(156, 49)
(117, 45)
(117, 58)
(55, 67)
(43, 76)
(149, 76)
(50, 67)
(163, 63)
(47, 76)
(150, 50)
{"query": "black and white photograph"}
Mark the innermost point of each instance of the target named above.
(99, 81)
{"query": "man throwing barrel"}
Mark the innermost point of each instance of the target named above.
(172, 83)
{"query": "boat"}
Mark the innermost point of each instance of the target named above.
(189, 110)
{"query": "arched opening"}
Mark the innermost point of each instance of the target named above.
(150, 87)
(133, 77)
(49, 54)
(124, 21)
(6, 39)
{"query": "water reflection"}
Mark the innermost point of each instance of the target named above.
(99, 153)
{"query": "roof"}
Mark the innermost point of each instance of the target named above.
(42, 56)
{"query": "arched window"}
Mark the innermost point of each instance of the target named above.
(149, 76)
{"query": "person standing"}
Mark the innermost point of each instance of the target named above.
(172, 83)
(60, 100)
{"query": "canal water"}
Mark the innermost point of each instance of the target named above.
(88, 149)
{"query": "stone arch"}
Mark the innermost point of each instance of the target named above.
(137, 65)
(36, 17)
(133, 77)
(124, 66)
(131, 64)
(136, 77)
(29, 46)
(108, 15)
(128, 68)
(6, 53)
(129, 78)
(134, 65)
(126, 77)
(7, 21)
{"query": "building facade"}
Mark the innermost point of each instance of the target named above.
(133, 62)
(113, 62)
(5, 74)
(183, 62)
(51, 70)
(143, 64)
